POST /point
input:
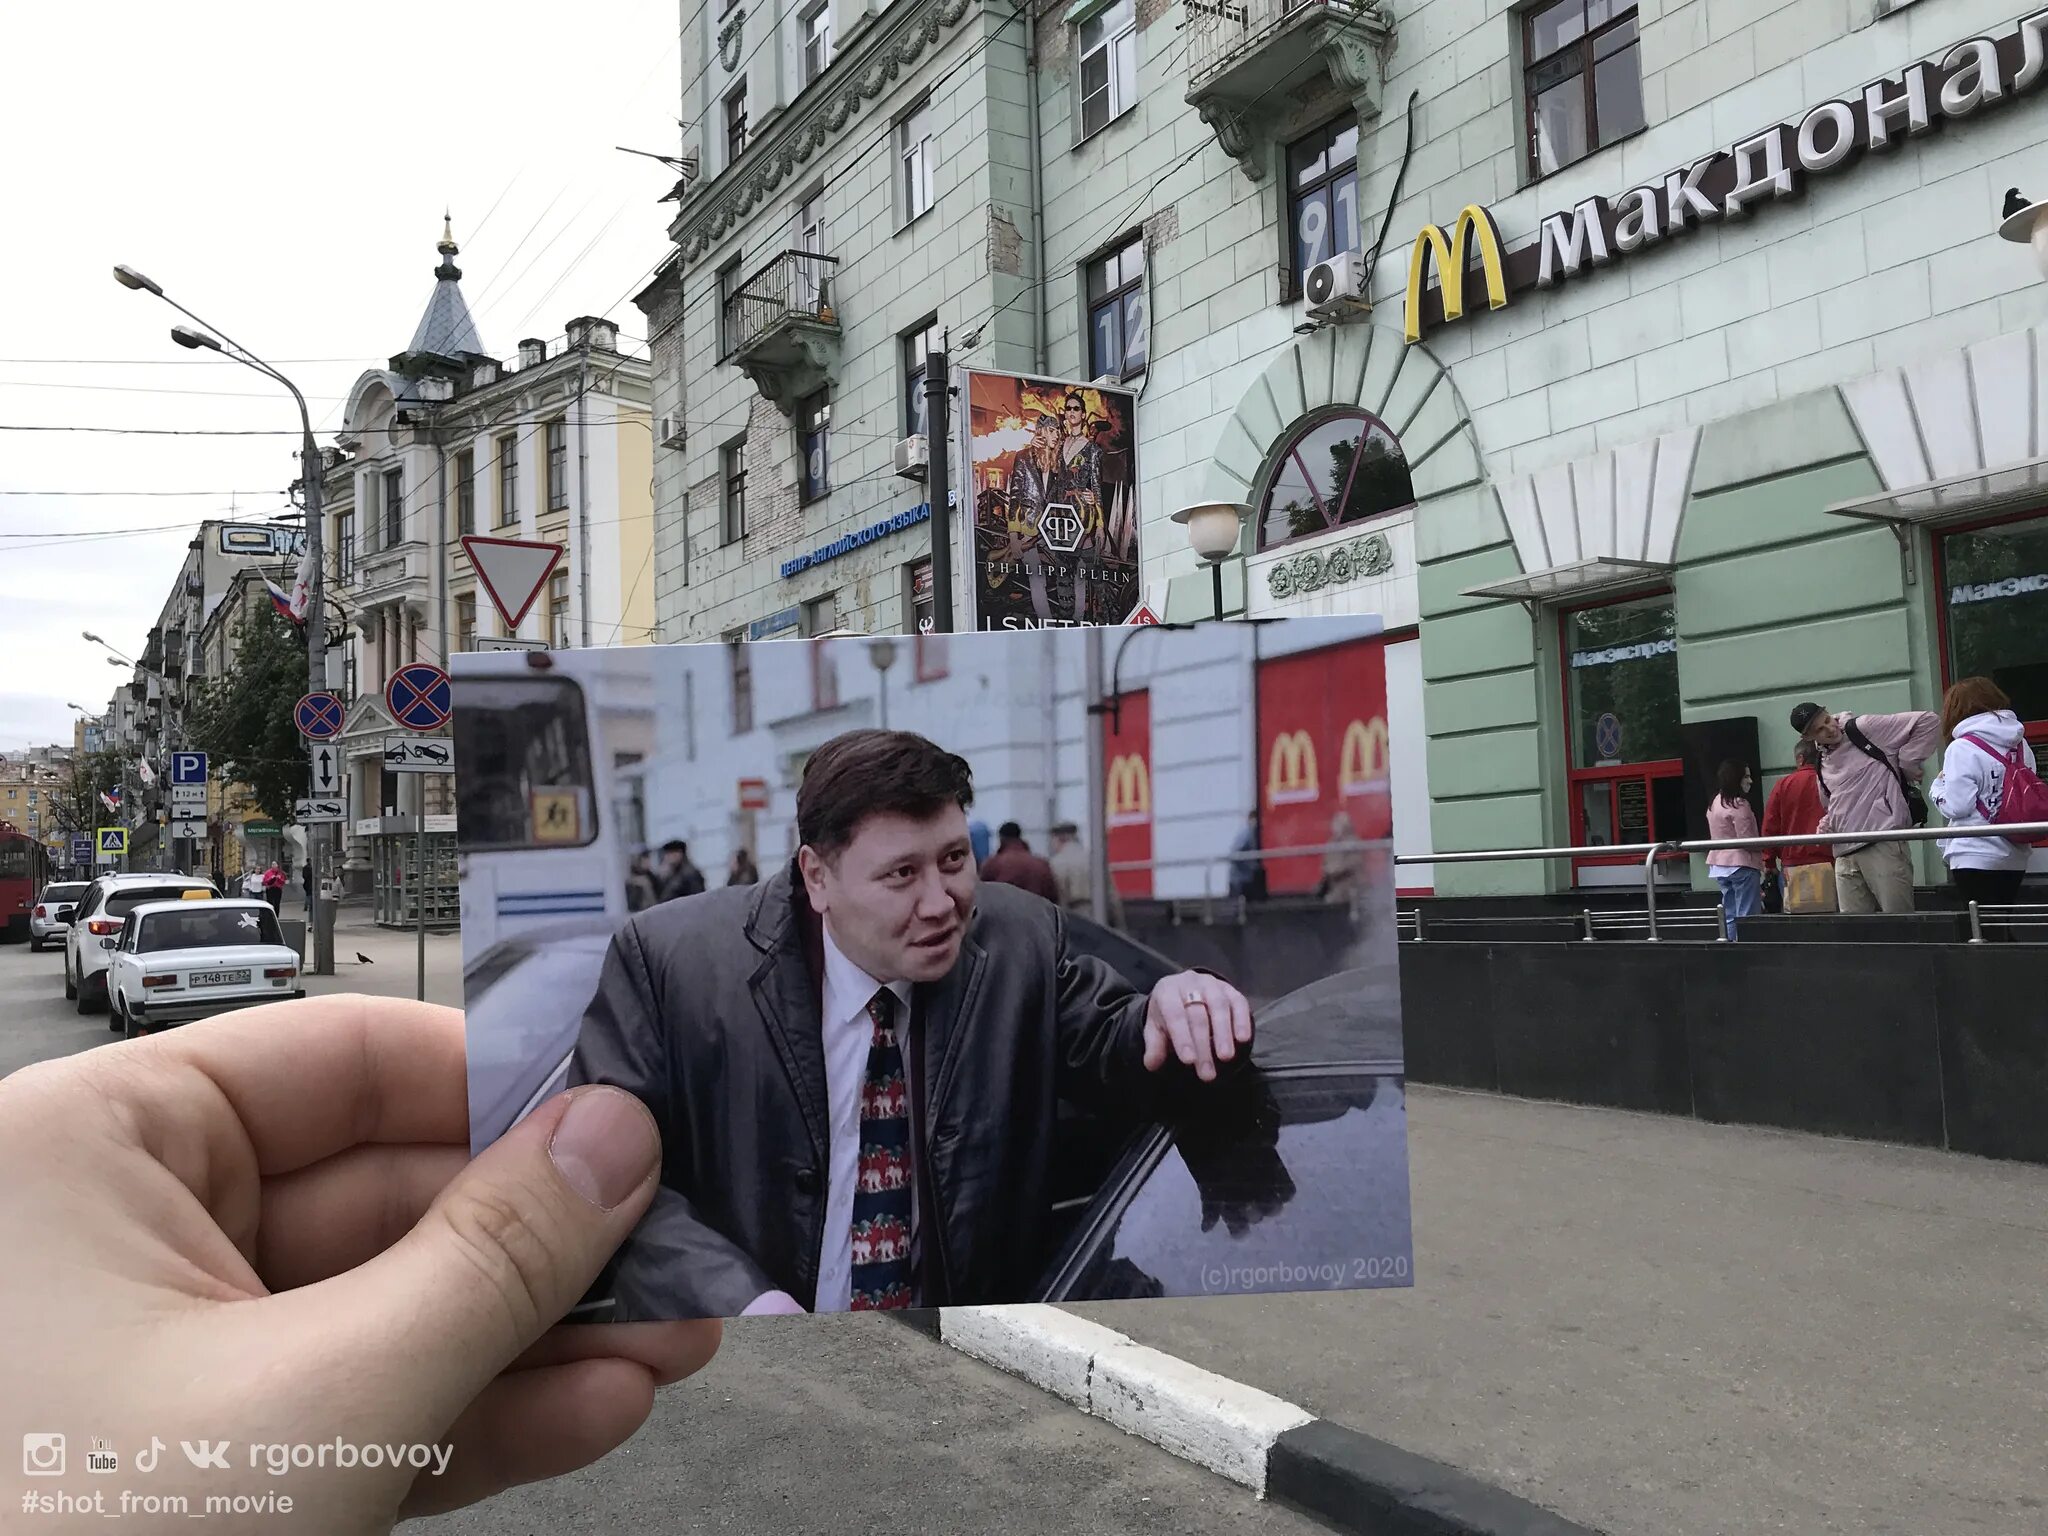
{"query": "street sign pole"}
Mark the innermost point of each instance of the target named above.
(419, 896)
(313, 468)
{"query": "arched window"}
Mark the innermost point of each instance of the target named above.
(1335, 467)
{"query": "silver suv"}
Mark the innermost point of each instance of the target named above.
(96, 927)
(50, 918)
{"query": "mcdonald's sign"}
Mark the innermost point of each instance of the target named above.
(1128, 797)
(1291, 770)
(1362, 763)
(1451, 255)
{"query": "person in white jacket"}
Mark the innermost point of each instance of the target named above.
(1970, 786)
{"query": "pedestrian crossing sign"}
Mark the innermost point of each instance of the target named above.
(557, 816)
(112, 841)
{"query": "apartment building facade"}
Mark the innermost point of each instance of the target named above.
(1730, 293)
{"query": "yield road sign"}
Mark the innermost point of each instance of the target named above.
(112, 842)
(509, 643)
(511, 572)
(326, 772)
(318, 810)
(318, 716)
(188, 768)
(417, 696)
(419, 754)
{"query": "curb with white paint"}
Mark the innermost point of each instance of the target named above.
(1266, 1443)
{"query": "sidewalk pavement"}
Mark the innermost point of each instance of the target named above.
(392, 969)
(1652, 1324)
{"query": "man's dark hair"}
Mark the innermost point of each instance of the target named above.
(676, 845)
(1010, 832)
(867, 773)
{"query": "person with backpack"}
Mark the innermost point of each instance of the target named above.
(1870, 769)
(1988, 777)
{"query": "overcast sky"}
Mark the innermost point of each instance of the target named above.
(281, 171)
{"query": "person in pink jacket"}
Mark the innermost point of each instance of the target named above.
(1738, 871)
(1865, 763)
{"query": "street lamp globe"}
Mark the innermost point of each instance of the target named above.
(882, 652)
(1213, 527)
(128, 277)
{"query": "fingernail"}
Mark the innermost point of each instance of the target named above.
(604, 1145)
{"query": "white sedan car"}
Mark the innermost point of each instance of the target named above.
(183, 960)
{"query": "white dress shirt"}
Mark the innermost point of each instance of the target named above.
(848, 1033)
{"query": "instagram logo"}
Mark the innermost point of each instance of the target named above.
(42, 1455)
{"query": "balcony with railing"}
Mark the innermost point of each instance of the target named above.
(1249, 60)
(781, 327)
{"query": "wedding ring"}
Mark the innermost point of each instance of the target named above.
(1193, 999)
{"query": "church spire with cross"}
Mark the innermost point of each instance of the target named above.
(446, 329)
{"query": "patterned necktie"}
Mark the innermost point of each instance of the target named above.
(881, 1193)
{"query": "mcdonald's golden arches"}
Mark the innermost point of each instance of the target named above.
(1451, 256)
(1291, 770)
(1362, 764)
(1128, 799)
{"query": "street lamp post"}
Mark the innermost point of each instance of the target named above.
(1214, 527)
(316, 607)
(882, 652)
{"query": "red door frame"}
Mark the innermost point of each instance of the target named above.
(2037, 730)
(1648, 773)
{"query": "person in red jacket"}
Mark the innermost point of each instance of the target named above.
(1795, 808)
(1013, 863)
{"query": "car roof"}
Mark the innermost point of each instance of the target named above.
(144, 877)
(246, 904)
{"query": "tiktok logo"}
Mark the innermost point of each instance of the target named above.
(146, 1460)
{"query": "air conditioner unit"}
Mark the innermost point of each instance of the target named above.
(674, 432)
(913, 457)
(1335, 289)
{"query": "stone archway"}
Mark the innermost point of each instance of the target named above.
(1368, 367)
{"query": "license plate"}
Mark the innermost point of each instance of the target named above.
(219, 979)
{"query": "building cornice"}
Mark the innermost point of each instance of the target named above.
(897, 40)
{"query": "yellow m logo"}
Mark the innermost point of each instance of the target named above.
(1291, 770)
(1129, 796)
(1450, 257)
(1362, 765)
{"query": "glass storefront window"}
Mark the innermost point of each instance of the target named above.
(1333, 470)
(1621, 663)
(1996, 592)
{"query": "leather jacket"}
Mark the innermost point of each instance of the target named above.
(708, 1010)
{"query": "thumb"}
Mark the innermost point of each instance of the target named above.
(514, 1241)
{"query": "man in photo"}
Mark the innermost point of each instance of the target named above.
(857, 1064)
(1866, 764)
(1013, 863)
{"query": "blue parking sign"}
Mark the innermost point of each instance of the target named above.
(188, 767)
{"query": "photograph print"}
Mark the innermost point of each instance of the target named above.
(947, 983)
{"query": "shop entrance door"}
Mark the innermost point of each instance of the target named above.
(1625, 773)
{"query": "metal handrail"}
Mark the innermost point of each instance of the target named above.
(1650, 852)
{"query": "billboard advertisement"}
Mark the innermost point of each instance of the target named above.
(1324, 751)
(1054, 477)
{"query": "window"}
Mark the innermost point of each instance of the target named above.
(527, 778)
(810, 237)
(558, 465)
(930, 646)
(1322, 195)
(734, 465)
(1582, 77)
(1116, 312)
(465, 622)
(1994, 586)
(914, 157)
(917, 346)
(348, 676)
(508, 481)
(821, 615)
(558, 611)
(728, 285)
(736, 123)
(817, 34)
(465, 492)
(394, 507)
(1109, 65)
(344, 544)
(814, 478)
(1335, 469)
(742, 681)
(1626, 775)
